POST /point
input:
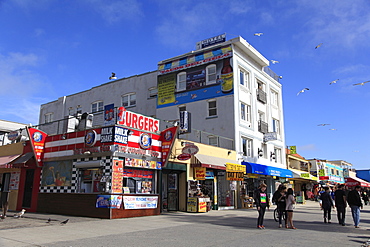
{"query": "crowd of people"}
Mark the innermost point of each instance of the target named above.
(329, 198)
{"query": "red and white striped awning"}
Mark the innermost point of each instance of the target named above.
(353, 181)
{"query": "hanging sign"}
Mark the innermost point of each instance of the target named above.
(37, 139)
(184, 156)
(200, 173)
(191, 149)
(168, 138)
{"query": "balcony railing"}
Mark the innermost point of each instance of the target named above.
(262, 127)
(261, 96)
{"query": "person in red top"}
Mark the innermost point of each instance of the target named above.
(262, 202)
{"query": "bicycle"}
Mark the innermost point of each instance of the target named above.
(276, 215)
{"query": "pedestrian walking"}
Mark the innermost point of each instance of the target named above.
(290, 202)
(354, 201)
(262, 202)
(365, 196)
(280, 199)
(326, 204)
(341, 204)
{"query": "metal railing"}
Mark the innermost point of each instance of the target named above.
(261, 96)
(262, 127)
(271, 73)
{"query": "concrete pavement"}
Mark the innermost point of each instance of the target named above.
(215, 228)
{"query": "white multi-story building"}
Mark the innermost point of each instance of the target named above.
(231, 93)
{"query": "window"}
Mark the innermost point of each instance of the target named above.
(276, 126)
(332, 172)
(245, 112)
(274, 98)
(153, 92)
(49, 117)
(264, 150)
(212, 108)
(181, 81)
(90, 180)
(79, 109)
(182, 108)
(277, 152)
(337, 172)
(139, 181)
(211, 74)
(71, 111)
(129, 100)
(244, 79)
(97, 106)
(213, 141)
(247, 147)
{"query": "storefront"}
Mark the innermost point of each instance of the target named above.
(19, 177)
(270, 175)
(303, 183)
(108, 172)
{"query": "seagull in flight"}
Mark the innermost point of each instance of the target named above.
(318, 45)
(322, 124)
(304, 89)
(361, 83)
(335, 81)
(258, 34)
(274, 61)
(332, 129)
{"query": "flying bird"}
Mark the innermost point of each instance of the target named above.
(113, 76)
(322, 124)
(20, 214)
(335, 81)
(274, 61)
(258, 34)
(361, 83)
(318, 45)
(332, 129)
(64, 222)
(304, 89)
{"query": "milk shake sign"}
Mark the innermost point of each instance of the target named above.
(137, 121)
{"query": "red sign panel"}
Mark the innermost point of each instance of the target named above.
(167, 137)
(184, 156)
(37, 139)
(137, 121)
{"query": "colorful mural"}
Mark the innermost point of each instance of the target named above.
(57, 173)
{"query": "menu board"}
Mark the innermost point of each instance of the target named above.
(117, 176)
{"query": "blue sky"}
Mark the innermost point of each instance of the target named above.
(51, 48)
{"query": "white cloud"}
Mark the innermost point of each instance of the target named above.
(18, 87)
(308, 147)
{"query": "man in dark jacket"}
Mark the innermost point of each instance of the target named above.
(326, 204)
(262, 202)
(354, 201)
(340, 204)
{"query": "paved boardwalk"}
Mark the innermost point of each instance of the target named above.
(215, 228)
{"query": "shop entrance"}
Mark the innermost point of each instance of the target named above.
(28, 186)
(170, 194)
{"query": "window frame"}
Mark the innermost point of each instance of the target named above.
(277, 152)
(276, 126)
(274, 98)
(211, 137)
(48, 117)
(180, 83)
(209, 109)
(152, 92)
(208, 81)
(246, 112)
(99, 106)
(248, 148)
(129, 100)
(245, 82)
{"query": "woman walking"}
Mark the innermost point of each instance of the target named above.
(289, 208)
(262, 202)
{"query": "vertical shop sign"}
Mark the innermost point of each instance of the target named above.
(117, 176)
(37, 139)
(168, 138)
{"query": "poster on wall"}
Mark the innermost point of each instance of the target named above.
(140, 202)
(108, 201)
(109, 115)
(14, 180)
(197, 77)
(57, 173)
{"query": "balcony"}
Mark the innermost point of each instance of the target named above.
(261, 96)
(262, 127)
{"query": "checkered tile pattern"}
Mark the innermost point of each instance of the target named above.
(107, 171)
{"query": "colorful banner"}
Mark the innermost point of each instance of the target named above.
(168, 138)
(137, 173)
(109, 115)
(148, 164)
(140, 202)
(166, 89)
(137, 121)
(200, 173)
(37, 139)
(108, 201)
(117, 175)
